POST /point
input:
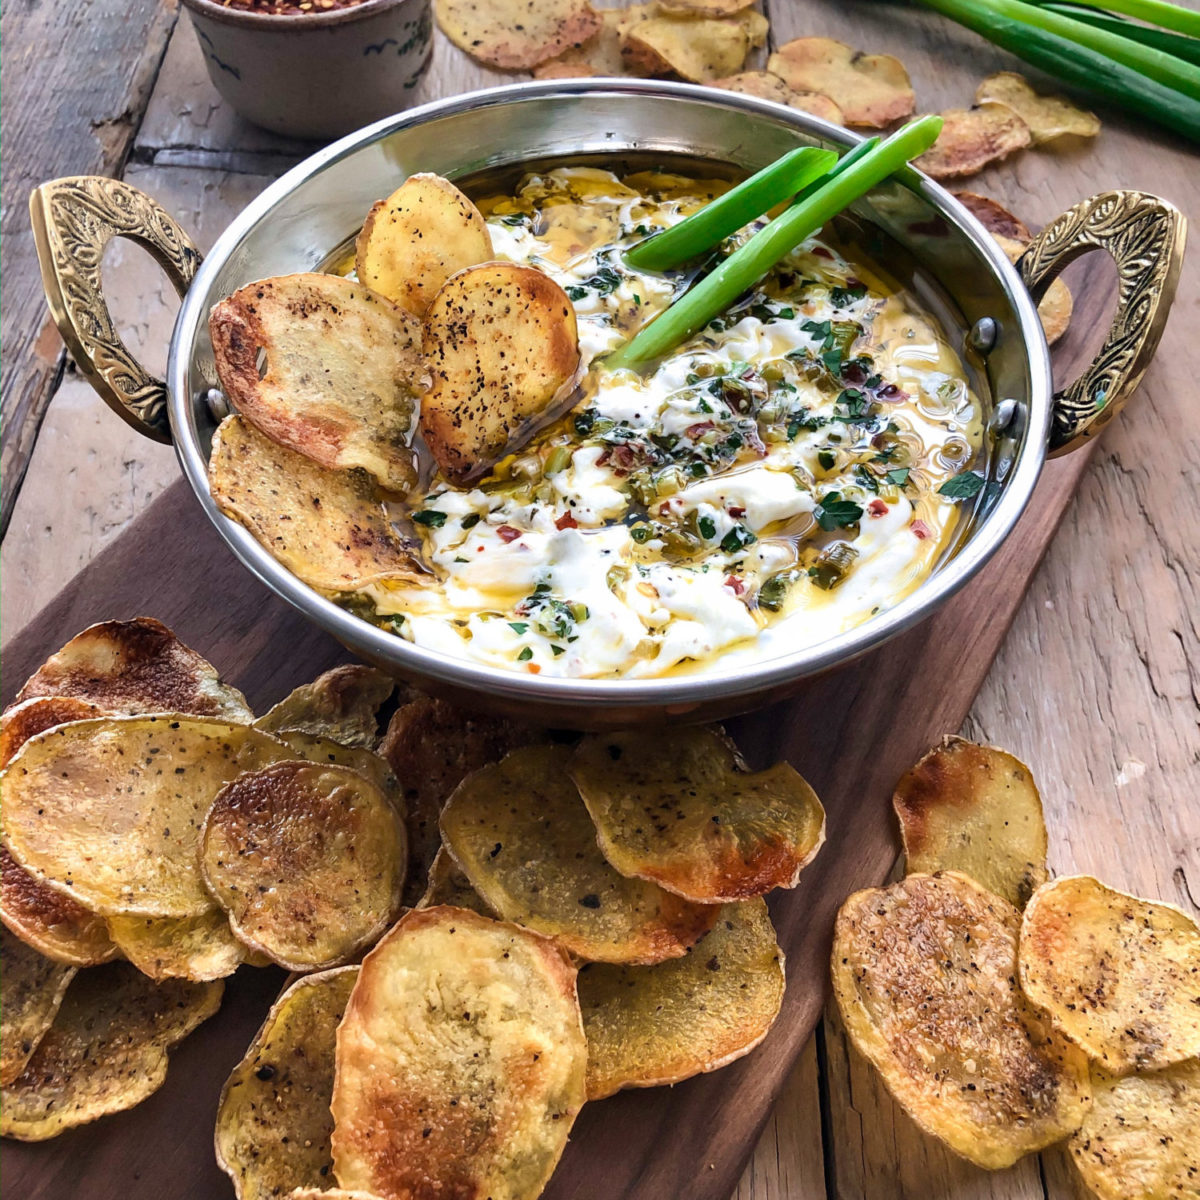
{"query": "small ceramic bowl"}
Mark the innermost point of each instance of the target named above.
(316, 74)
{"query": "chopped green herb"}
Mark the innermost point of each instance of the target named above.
(737, 539)
(558, 649)
(518, 626)
(835, 513)
(470, 521)
(964, 486)
(708, 528)
(430, 517)
(641, 533)
(826, 458)
(898, 476)
(525, 655)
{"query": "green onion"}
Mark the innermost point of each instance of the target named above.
(1074, 54)
(1187, 48)
(856, 174)
(1156, 12)
(737, 207)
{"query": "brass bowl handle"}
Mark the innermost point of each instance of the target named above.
(1145, 237)
(74, 219)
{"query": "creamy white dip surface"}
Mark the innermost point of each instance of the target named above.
(770, 484)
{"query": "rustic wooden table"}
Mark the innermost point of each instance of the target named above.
(1097, 685)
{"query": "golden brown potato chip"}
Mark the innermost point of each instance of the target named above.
(328, 528)
(1048, 117)
(108, 811)
(365, 762)
(460, 1061)
(105, 1052)
(413, 241)
(678, 807)
(31, 990)
(704, 8)
(336, 1193)
(974, 809)
(307, 859)
(342, 705)
(448, 885)
(136, 666)
(1056, 305)
(767, 86)
(516, 34)
(694, 48)
(53, 924)
(433, 746)
(522, 835)
(599, 55)
(196, 948)
(1119, 975)
(924, 972)
(993, 216)
(973, 138)
(343, 374)
(648, 1026)
(20, 722)
(1141, 1137)
(871, 89)
(502, 345)
(273, 1118)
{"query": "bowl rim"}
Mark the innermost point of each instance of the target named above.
(282, 22)
(677, 693)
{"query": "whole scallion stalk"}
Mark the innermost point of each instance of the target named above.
(751, 261)
(1186, 48)
(1156, 12)
(719, 218)
(1072, 54)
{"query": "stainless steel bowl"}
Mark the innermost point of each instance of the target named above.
(295, 225)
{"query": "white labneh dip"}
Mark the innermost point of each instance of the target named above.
(771, 483)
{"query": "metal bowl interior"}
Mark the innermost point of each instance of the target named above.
(297, 222)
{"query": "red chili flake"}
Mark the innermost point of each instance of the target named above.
(891, 392)
(699, 429)
(877, 508)
(735, 584)
(533, 668)
(507, 533)
(921, 530)
(566, 521)
(736, 511)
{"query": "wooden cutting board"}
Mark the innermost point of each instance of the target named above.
(850, 732)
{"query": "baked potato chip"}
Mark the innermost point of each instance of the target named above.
(448, 885)
(433, 746)
(993, 216)
(648, 1026)
(1056, 305)
(136, 666)
(343, 375)
(460, 1061)
(924, 973)
(599, 55)
(704, 8)
(973, 138)
(196, 948)
(273, 1118)
(1141, 1137)
(105, 1052)
(694, 48)
(1048, 117)
(336, 1193)
(53, 924)
(341, 705)
(974, 809)
(871, 89)
(1120, 976)
(678, 807)
(502, 345)
(307, 859)
(767, 86)
(31, 990)
(516, 34)
(108, 811)
(328, 528)
(413, 241)
(522, 836)
(20, 722)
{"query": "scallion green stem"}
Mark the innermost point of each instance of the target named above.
(1187, 48)
(737, 207)
(1156, 12)
(1075, 58)
(750, 262)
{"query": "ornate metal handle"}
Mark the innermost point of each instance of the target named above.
(1145, 236)
(73, 220)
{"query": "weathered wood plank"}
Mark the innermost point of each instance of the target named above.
(76, 80)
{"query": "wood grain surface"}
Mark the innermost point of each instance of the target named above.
(1097, 685)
